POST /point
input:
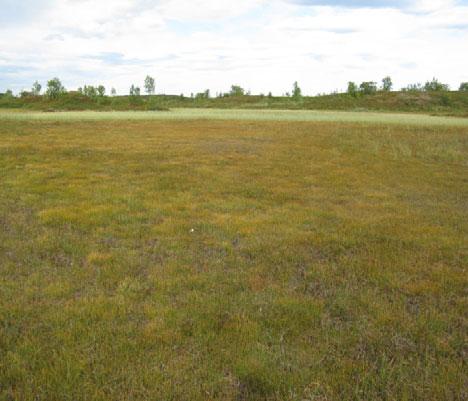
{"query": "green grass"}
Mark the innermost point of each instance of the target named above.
(232, 260)
(241, 115)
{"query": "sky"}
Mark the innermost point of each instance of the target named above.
(262, 45)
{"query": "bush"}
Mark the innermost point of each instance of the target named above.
(463, 87)
(203, 95)
(435, 86)
(103, 101)
(413, 88)
(444, 100)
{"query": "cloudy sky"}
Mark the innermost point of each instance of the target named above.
(262, 45)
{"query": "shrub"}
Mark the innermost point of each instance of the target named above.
(435, 86)
(413, 88)
(463, 87)
(203, 95)
(444, 100)
(154, 105)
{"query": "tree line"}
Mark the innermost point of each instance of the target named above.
(371, 87)
(55, 89)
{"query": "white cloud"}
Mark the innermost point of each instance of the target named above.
(204, 10)
(432, 5)
(262, 45)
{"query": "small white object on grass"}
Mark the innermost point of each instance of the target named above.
(192, 230)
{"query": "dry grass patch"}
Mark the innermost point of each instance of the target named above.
(232, 260)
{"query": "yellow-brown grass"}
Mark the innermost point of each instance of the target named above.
(232, 260)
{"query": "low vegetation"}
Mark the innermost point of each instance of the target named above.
(232, 260)
(179, 114)
(433, 97)
(442, 103)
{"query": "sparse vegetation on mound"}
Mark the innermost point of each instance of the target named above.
(436, 102)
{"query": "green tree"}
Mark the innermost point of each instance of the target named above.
(90, 91)
(236, 90)
(387, 84)
(352, 89)
(101, 90)
(149, 85)
(296, 93)
(134, 90)
(36, 89)
(368, 88)
(113, 92)
(203, 95)
(55, 88)
(435, 86)
(463, 87)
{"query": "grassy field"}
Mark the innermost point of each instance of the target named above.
(205, 259)
(240, 115)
